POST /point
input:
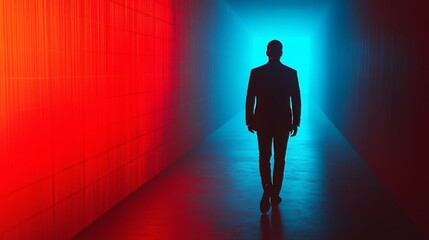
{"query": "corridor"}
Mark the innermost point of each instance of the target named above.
(123, 119)
(213, 192)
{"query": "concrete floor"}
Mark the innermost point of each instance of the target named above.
(213, 193)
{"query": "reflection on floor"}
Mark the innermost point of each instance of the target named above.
(214, 191)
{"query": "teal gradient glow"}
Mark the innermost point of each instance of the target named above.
(297, 54)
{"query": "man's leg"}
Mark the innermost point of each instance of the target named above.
(264, 144)
(280, 144)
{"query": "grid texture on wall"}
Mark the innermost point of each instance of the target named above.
(86, 107)
(97, 97)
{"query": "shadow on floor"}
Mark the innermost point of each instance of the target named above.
(213, 193)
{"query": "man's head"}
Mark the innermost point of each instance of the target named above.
(274, 49)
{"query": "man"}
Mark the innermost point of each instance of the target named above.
(274, 86)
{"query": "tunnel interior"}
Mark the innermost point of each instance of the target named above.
(98, 97)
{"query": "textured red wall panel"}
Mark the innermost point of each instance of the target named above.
(97, 97)
(85, 101)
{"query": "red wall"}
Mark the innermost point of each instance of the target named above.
(375, 89)
(97, 97)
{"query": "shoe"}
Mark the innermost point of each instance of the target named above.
(265, 205)
(275, 200)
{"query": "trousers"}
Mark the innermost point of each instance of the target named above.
(265, 143)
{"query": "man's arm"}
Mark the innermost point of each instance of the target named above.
(296, 105)
(250, 102)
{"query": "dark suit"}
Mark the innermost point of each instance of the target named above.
(275, 88)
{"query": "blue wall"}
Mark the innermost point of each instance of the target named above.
(214, 62)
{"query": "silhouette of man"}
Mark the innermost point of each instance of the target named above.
(274, 86)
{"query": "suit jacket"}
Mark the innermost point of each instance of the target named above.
(275, 88)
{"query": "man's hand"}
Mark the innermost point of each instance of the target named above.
(293, 131)
(250, 129)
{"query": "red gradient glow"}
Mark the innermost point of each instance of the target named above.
(86, 109)
(97, 97)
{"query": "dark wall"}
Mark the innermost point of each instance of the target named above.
(375, 91)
